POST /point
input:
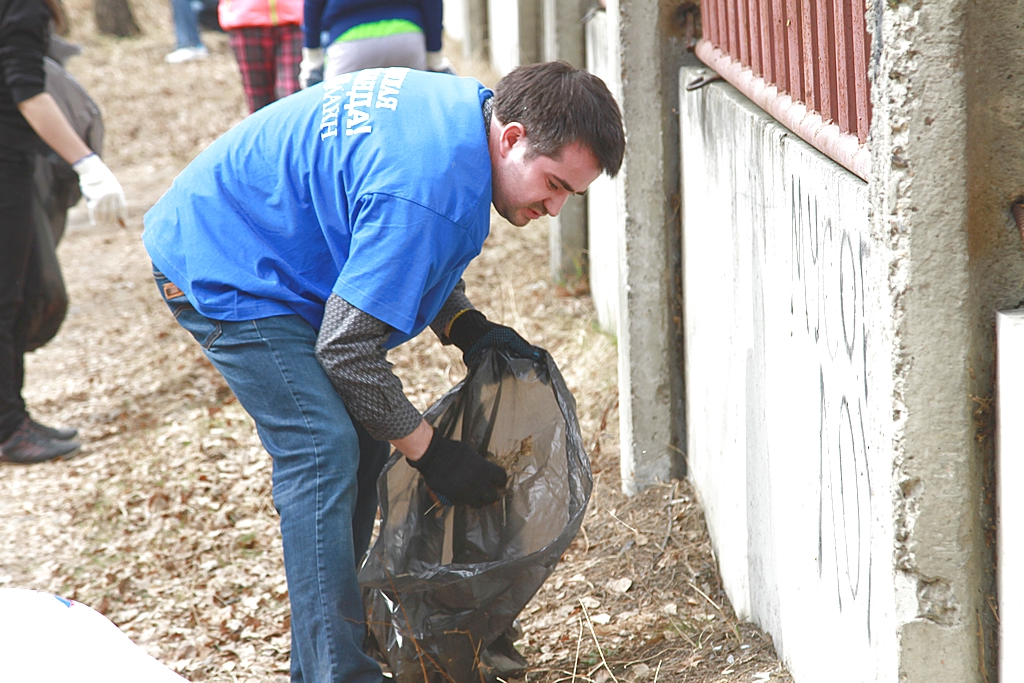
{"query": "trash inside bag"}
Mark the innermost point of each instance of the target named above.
(442, 586)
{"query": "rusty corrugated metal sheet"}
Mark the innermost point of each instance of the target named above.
(845, 148)
(815, 51)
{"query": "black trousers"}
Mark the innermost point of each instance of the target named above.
(16, 237)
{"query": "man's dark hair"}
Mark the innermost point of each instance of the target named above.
(558, 105)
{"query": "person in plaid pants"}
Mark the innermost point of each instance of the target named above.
(266, 36)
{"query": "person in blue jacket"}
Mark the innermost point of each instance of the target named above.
(362, 34)
(331, 226)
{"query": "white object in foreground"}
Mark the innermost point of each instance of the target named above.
(46, 639)
(1009, 479)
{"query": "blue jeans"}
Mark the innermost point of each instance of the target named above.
(186, 24)
(324, 479)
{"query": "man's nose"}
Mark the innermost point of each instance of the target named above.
(555, 204)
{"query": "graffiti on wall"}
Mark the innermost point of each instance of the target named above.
(828, 304)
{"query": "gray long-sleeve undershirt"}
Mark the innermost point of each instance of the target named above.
(350, 347)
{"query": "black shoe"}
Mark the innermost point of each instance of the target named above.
(54, 433)
(26, 446)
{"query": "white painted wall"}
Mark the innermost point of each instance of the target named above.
(788, 381)
(1009, 484)
(455, 19)
(604, 219)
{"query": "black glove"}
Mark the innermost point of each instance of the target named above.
(473, 333)
(458, 474)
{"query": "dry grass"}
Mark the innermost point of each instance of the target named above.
(165, 522)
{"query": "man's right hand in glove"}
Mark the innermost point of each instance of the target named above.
(311, 68)
(459, 474)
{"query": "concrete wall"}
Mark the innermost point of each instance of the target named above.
(993, 64)
(1010, 478)
(948, 159)
(939, 256)
(563, 38)
(466, 22)
(604, 217)
(647, 46)
(456, 16)
(922, 213)
(784, 302)
(515, 33)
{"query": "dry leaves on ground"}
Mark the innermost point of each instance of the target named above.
(165, 521)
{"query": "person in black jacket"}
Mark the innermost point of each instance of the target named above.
(29, 117)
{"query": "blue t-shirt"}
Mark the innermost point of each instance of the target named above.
(374, 185)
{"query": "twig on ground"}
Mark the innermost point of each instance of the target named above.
(612, 513)
(590, 625)
(648, 658)
(603, 426)
(511, 291)
(566, 678)
(700, 638)
(680, 632)
(579, 642)
(668, 510)
(705, 596)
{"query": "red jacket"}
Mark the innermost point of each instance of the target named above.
(243, 13)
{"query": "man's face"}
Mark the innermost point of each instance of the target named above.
(526, 187)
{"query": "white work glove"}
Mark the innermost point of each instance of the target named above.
(311, 68)
(439, 63)
(103, 194)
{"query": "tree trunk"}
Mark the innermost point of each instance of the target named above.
(114, 17)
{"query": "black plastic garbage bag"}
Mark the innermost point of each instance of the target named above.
(55, 190)
(443, 586)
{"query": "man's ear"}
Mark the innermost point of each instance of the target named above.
(511, 134)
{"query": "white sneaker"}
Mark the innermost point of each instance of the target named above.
(187, 54)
